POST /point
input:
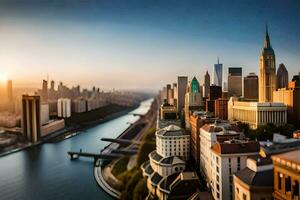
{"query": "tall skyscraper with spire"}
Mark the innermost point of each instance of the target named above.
(218, 74)
(267, 70)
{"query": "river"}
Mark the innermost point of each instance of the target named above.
(46, 172)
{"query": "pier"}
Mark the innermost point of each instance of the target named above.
(75, 155)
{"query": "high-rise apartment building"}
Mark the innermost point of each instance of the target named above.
(206, 84)
(218, 74)
(182, 82)
(282, 77)
(235, 84)
(31, 122)
(251, 86)
(267, 77)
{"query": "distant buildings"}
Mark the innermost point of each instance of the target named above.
(282, 77)
(251, 87)
(64, 107)
(267, 77)
(167, 111)
(218, 74)
(229, 157)
(182, 82)
(235, 83)
(206, 84)
(31, 121)
(256, 114)
(215, 92)
(290, 96)
(221, 107)
(286, 175)
(193, 100)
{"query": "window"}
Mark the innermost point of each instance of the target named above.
(244, 196)
(238, 163)
(279, 176)
(287, 184)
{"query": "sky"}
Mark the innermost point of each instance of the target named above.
(140, 44)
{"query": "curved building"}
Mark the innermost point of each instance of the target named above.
(267, 77)
(282, 77)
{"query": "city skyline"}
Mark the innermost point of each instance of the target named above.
(105, 44)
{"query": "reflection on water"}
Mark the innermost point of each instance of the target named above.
(46, 172)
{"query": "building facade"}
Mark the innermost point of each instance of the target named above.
(235, 84)
(282, 77)
(64, 107)
(286, 175)
(256, 114)
(182, 82)
(267, 70)
(229, 157)
(290, 96)
(251, 86)
(209, 135)
(31, 117)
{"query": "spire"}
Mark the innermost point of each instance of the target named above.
(218, 60)
(267, 38)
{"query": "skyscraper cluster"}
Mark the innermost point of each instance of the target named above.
(235, 167)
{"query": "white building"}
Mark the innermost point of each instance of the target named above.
(44, 113)
(256, 114)
(173, 141)
(209, 135)
(228, 158)
(64, 107)
(172, 149)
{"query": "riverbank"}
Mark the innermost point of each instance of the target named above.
(103, 175)
(68, 132)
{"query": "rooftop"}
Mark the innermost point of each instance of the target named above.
(171, 130)
(252, 178)
(288, 158)
(236, 147)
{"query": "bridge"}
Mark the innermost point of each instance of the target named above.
(75, 155)
(121, 141)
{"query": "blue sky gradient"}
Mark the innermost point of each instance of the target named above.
(141, 44)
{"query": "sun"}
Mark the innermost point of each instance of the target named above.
(3, 78)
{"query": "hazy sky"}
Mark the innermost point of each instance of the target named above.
(140, 44)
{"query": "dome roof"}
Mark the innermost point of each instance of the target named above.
(171, 130)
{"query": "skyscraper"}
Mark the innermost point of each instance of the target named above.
(267, 77)
(218, 74)
(206, 84)
(235, 84)
(282, 77)
(45, 91)
(31, 122)
(182, 82)
(251, 86)
(193, 100)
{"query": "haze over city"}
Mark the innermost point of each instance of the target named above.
(140, 45)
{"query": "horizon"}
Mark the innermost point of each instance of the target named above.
(140, 45)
